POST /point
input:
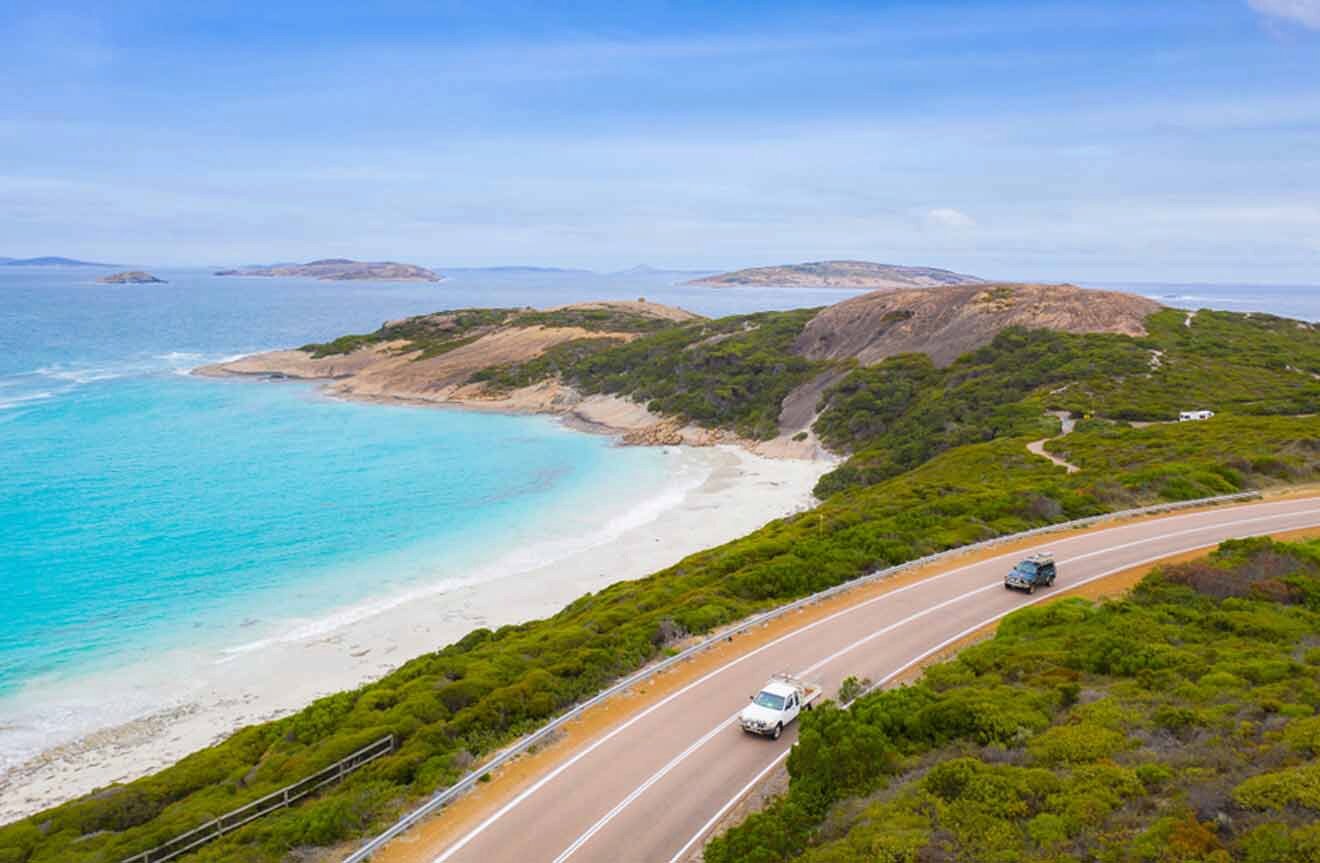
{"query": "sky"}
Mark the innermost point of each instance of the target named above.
(1093, 141)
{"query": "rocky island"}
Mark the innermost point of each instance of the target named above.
(131, 277)
(342, 269)
(839, 274)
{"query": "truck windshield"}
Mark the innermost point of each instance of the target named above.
(1026, 568)
(770, 700)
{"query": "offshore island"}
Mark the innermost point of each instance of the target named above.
(341, 270)
(131, 277)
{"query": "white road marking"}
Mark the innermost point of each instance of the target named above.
(595, 828)
(637, 792)
(733, 801)
(528, 792)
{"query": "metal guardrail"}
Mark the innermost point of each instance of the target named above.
(285, 796)
(446, 795)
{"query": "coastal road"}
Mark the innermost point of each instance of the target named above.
(648, 789)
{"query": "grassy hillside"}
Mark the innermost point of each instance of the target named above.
(894, 415)
(1179, 724)
(437, 333)
(451, 707)
(729, 373)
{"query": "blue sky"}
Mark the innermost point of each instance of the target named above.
(1093, 141)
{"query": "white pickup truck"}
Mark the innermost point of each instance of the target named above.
(777, 704)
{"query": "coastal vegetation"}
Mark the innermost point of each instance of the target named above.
(898, 413)
(1177, 724)
(938, 460)
(729, 373)
(450, 708)
(434, 334)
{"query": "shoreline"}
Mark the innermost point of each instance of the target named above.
(393, 368)
(351, 645)
(631, 423)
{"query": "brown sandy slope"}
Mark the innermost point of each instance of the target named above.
(948, 322)
(866, 275)
(386, 371)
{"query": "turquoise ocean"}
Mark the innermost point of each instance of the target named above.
(143, 509)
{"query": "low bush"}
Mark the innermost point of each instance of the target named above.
(1139, 763)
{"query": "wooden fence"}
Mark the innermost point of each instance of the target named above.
(286, 796)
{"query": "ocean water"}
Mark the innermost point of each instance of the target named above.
(1290, 301)
(142, 509)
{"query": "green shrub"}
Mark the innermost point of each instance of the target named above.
(1085, 789)
(1295, 786)
(1076, 743)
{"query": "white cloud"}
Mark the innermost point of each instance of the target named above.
(1304, 12)
(947, 217)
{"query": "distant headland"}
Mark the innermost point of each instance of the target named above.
(131, 277)
(49, 262)
(342, 269)
(865, 275)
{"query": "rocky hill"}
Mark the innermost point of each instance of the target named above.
(839, 274)
(868, 376)
(342, 269)
(437, 358)
(658, 374)
(131, 277)
(947, 323)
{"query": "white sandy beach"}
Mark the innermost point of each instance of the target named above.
(206, 696)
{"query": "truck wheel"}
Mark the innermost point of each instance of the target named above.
(779, 729)
(1008, 586)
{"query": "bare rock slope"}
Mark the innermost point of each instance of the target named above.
(951, 321)
(839, 274)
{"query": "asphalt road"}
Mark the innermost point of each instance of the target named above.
(649, 789)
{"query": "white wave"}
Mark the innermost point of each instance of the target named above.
(27, 398)
(174, 362)
(81, 375)
(527, 559)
